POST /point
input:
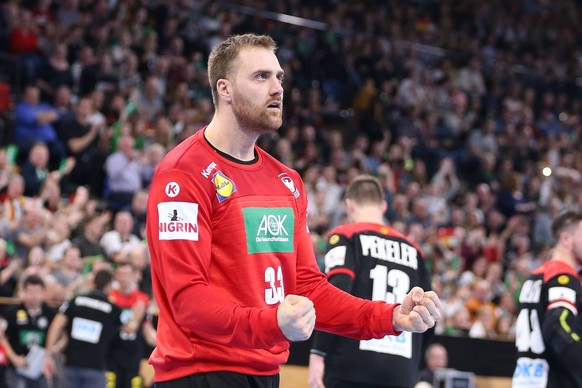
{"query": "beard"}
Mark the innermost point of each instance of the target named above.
(256, 117)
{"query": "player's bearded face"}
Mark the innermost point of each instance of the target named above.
(257, 114)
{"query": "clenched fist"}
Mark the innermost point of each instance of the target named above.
(296, 317)
(418, 312)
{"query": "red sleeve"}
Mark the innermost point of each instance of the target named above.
(180, 272)
(337, 311)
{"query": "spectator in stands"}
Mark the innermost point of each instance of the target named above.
(34, 122)
(76, 208)
(84, 64)
(63, 106)
(88, 240)
(14, 202)
(470, 78)
(118, 242)
(138, 210)
(153, 155)
(7, 168)
(10, 267)
(485, 325)
(68, 13)
(481, 296)
(68, 272)
(150, 99)
(24, 42)
(139, 257)
(36, 263)
(50, 197)
(82, 140)
(32, 229)
(100, 75)
(95, 116)
(55, 72)
(436, 356)
(125, 173)
(57, 239)
(35, 170)
(419, 213)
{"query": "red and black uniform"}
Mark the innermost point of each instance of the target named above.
(375, 262)
(92, 323)
(548, 329)
(228, 240)
(24, 331)
(126, 348)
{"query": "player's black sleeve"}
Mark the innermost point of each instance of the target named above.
(561, 326)
(323, 341)
(563, 336)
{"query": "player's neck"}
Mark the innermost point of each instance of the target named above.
(367, 215)
(226, 136)
(564, 255)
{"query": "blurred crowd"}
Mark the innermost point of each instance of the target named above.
(469, 112)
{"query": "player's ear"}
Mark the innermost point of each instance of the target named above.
(384, 206)
(349, 205)
(224, 89)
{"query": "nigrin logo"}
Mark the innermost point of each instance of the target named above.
(178, 221)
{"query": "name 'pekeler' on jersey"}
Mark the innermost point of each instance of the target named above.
(391, 265)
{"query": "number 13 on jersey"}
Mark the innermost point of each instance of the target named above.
(399, 282)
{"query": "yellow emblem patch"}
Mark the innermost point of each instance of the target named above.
(224, 186)
(384, 230)
(334, 239)
(563, 279)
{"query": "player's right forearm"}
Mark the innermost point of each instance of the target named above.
(215, 318)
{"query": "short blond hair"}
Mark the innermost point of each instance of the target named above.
(222, 57)
(365, 189)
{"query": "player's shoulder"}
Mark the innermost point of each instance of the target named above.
(13, 310)
(270, 161)
(553, 269)
(185, 155)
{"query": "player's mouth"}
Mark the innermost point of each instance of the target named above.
(275, 105)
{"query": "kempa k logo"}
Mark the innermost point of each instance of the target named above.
(172, 189)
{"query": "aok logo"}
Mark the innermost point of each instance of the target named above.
(269, 229)
(272, 226)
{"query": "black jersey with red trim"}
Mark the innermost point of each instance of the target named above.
(228, 241)
(24, 330)
(92, 322)
(127, 348)
(548, 329)
(375, 262)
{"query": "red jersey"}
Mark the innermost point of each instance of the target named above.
(127, 301)
(23, 42)
(228, 240)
